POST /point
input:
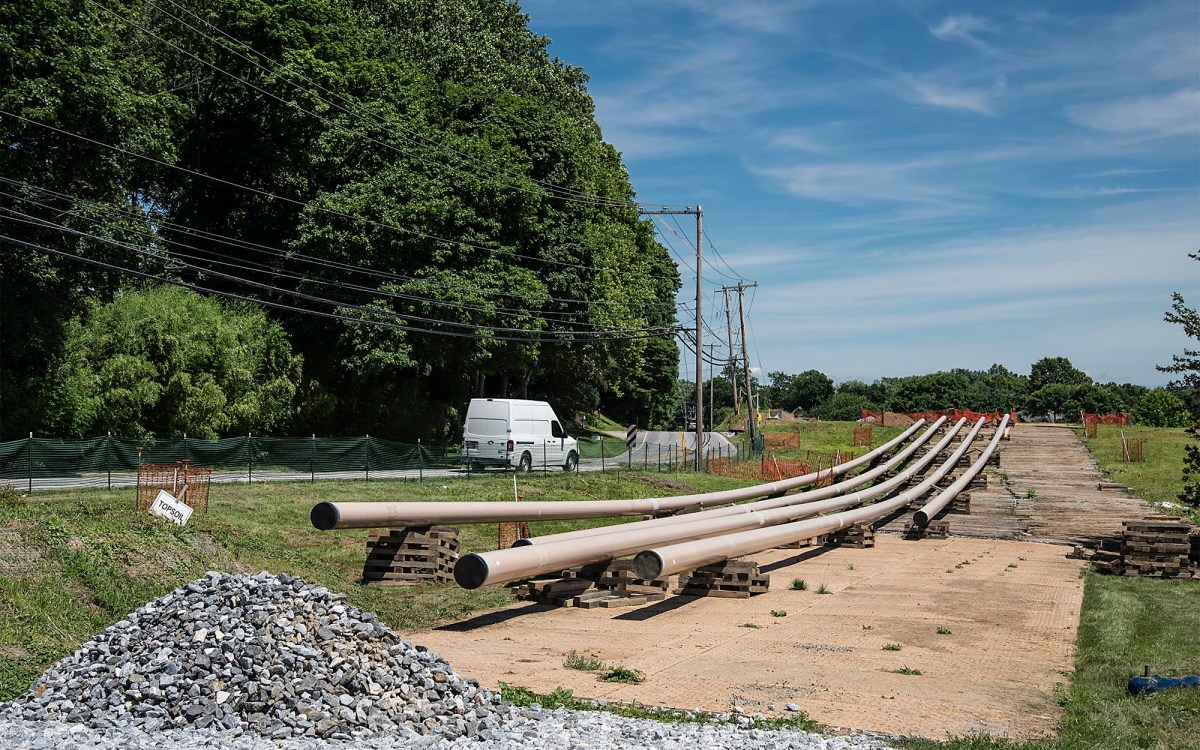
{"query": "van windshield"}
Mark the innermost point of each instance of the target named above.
(483, 426)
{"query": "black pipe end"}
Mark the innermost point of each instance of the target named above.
(325, 516)
(921, 518)
(648, 565)
(471, 571)
(522, 542)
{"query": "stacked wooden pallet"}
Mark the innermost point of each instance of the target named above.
(1159, 549)
(412, 555)
(733, 579)
(860, 535)
(935, 530)
(604, 585)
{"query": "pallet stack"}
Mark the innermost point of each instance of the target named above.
(1159, 549)
(732, 579)
(606, 585)
(412, 555)
(935, 530)
(860, 536)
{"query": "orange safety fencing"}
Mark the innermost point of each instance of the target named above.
(888, 418)
(771, 469)
(1118, 419)
(186, 483)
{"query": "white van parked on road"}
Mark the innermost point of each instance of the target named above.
(518, 433)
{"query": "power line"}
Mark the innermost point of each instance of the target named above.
(302, 204)
(539, 335)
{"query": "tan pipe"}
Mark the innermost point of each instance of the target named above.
(499, 566)
(943, 498)
(326, 516)
(674, 558)
(820, 493)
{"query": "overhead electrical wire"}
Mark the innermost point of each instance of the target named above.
(302, 204)
(537, 335)
(264, 268)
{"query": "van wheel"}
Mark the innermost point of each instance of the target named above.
(526, 463)
(572, 461)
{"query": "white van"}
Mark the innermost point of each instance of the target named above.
(514, 432)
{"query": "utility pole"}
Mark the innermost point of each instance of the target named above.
(737, 404)
(711, 386)
(751, 424)
(698, 212)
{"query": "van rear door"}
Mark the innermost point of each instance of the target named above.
(485, 435)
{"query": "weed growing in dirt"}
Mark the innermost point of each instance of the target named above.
(907, 670)
(564, 698)
(779, 613)
(749, 625)
(582, 663)
(943, 631)
(1031, 494)
(849, 566)
(10, 498)
(892, 647)
(625, 675)
(823, 589)
(799, 584)
(868, 627)
(1012, 565)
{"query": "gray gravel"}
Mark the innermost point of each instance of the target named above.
(266, 661)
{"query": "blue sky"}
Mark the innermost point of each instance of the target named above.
(917, 186)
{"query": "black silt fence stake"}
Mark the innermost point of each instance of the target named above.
(29, 456)
(420, 461)
(249, 457)
(312, 459)
(108, 458)
(368, 458)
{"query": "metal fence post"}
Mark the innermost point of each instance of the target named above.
(601, 454)
(312, 459)
(138, 498)
(368, 458)
(420, 461)
(185, 455)
(29, 456)
(659, 462)
(249, 457)
(108, 457)
(545, 468)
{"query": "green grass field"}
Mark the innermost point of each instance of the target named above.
(1158, 478)
(821, 437)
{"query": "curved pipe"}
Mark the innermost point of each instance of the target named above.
(359, 515)
(923, 516)
(775, 501)
(674, 558)
(499, 566)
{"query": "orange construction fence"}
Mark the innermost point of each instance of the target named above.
(1118, 419)
(881, 418)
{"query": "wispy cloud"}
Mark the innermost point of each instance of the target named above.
(960, 27)
(925, 91)
(1167, 114)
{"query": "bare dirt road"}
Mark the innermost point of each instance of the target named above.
(1011, 608)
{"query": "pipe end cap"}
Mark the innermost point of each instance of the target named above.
(648, 565)
(471, 571)
(325, 516)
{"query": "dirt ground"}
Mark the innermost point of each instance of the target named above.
(1011, 604)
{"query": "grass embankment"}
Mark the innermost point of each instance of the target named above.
(1125, 624)
(72, 563)
(820, 437)
(1158, 478)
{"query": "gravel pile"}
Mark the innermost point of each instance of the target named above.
(241, 662)
(266, 654)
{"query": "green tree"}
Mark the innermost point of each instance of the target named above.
(845, 406)
(1055, 371)
(1161, 408)
(166, 361)
(1187, 366)
(941, 390)
(1062, 402)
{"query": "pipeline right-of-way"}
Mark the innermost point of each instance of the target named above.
(500, 566)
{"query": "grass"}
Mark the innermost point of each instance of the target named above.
(74, 562)
(799, 584)
(943, 631)
(749, 625)
(779, 613)
(823, 589)
(824, 437)
(892, 647)
(1157, 479)
(624, 675)
(868, 627)
(564, 698)
(583, 663)
(907, 670)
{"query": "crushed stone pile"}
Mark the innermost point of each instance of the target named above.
(265, 655)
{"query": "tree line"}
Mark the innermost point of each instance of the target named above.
(423, 176)
(1054, 389)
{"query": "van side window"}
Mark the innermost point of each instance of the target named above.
(556, 429)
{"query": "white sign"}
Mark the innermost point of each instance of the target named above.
(169, 508)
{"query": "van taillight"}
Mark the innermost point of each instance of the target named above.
(509, 447)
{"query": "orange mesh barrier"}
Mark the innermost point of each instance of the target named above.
(188, 484)
(1118, 419)
(953, 415)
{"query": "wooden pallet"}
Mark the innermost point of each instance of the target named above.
(1158, 548)
(860, 536)
(733, 579)
(413, 555)
(935, 530)
(611, 584)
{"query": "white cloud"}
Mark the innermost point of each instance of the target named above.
(1167, 114)
(925, 91)
(960, 27)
